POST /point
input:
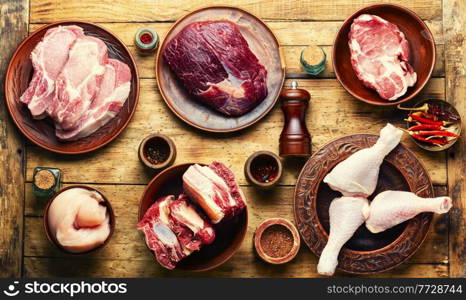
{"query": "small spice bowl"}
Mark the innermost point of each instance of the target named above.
(276, 241)
(50, 235)
(45, 181)
(443, 112)
(263, 169)
(157, 151)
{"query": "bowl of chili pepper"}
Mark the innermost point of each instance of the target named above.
(434, 125)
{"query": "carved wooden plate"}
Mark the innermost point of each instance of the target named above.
(263, 44)
(365, 252)
(42, 132)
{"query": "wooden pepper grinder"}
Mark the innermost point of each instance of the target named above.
(295, 139)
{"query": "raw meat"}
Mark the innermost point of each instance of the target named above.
(215, 190)
(174, 228)
(357, 175)
(213, 61)
(346, 215)
(159, 236)
(380, 55)
(192, 229)
(113, 92)
(78, 82)
(48, 59)
(78, 220)
(391, 208)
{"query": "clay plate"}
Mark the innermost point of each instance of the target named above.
(52, 238)
(228, 234)
(262, 42)
(42, 132)
(365, 252)
(421, 43)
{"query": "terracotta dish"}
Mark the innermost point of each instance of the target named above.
(445, 107)
(365, 252)
(42, 132)
(228, 234)
(52, 238)
(261, 242)
(421, 44)
(262, 42)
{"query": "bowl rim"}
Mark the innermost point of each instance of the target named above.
(111, 214)
(418, 20)
(44, 145)
(245, 212)
(186, 120)
(291, 228)
(365, 252)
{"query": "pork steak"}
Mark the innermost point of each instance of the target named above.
(380, 55)
(215, 64)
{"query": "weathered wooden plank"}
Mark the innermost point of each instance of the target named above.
(43, 11)
(455, 49)
(333, 113)
(288, 33)
(82, 267)
(13, 28)
(128, 244)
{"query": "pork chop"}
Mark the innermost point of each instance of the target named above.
(380, 55)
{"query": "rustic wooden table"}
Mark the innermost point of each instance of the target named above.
(115, 169)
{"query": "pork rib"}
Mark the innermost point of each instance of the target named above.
(380, 55)
(215, 64)
(48, 59)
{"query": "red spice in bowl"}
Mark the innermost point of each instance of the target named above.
(263, 168)
(276, 241)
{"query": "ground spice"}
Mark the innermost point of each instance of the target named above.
(277, 241)
(156, 153)
(44, 179)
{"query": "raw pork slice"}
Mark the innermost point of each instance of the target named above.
(79, 82)
(114, 91)
(48, 59)
(380, 55)
(213, 61)
(214, 188)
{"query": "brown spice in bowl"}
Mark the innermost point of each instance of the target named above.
(44, 179)
(277, 241)
(157, 154)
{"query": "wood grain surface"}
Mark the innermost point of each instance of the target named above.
(455, 70)
(13, 28)
(117, 172)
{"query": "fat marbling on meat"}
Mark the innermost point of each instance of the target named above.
(215, 64)
(380, 56)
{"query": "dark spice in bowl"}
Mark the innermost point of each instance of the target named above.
(156, 154)
(277, 241)
(263, 168)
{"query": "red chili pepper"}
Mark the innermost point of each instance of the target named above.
(424, 120)
(430, 141)
(437, 133)
(425, 127)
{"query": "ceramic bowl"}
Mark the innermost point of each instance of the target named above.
(229, 234)
(163, 145)
(42, 132)
(52, 238)
(263, 169)
(421, 43)
(365, 252)
(445, 106)
(269, 224)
